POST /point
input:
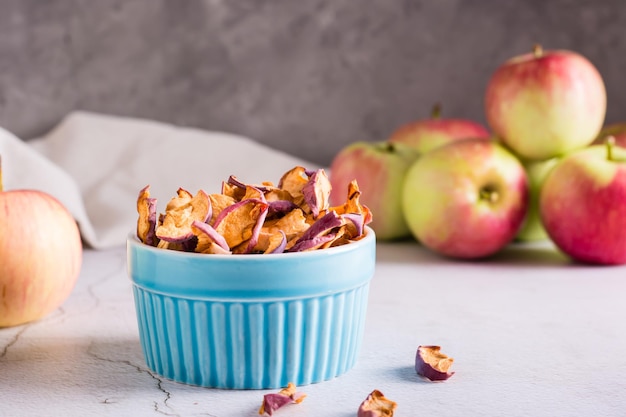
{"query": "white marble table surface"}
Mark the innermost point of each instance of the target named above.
(531, 334)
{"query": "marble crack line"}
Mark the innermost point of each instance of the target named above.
(156, 378)
(14, 340)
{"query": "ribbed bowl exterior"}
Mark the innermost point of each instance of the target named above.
(241, 337)
(241, 345)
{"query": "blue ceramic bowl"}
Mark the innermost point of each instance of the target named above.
(251, 321)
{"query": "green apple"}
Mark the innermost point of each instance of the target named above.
(546, 103)
(532, 229)
(583, 205)
(379, 169)
(467, 199)
(427, 134)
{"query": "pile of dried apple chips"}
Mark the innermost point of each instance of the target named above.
(293, 216)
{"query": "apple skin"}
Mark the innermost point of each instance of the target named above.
(41, 253)
(546, 103)
(427, 134)
(583, 205)
(537, 171)
(617, 130)
(379, 169)
(467, 199)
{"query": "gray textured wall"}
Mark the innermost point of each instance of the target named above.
(305, 76)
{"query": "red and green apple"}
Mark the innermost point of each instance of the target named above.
(427, 134)
(545, 104)
(379, 168)
(467, 199)
(583, 205)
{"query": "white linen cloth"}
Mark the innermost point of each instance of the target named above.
(96, 165)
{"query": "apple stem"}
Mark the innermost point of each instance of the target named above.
(610, 142)
(436, 111)
(537, 50)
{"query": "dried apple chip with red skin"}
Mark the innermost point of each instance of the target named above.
(316, 242)
(207, 237)
(353, 205)
(277, 243)
(146, 224)
(236, 222)
(431, 364)
(253, 192)
(293, 224)
(377, 405)
(281, 207)
(233, 191)
(218, 203)
(316, 192)
(277, 194)
(293, 181)
(254, 238)
(180, 213)
(322, 226)
(274, 401)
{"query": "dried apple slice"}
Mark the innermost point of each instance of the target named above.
(274, 401)
(355, 224)
(431, 364)
(146, 224)
(180, 213)
(278, 207)
(377, 405)
(316, 192)
(218, 203)
(316, 242)
(236, 222)
(293, 181)
(322, 225)
(277, 243)
(207, 237)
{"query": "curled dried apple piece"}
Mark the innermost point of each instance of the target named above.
(377, 405)
(236, 222)
(146, 224)
(277, 243)
(293, 181)
(274, 401)
(316, 192)
(431, 364)
(208, 237)
(218, 203)
(180, 213)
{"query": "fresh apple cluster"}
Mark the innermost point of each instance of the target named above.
(545, 167)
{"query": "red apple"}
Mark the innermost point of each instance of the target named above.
(427, 134)
(583, 205)
(546, 103)
(379, 168)
(616, 130)
(466, 199)
(40, 253)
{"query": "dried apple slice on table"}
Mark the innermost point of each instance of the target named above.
(377, 405)
(274, 401)
(432, 364)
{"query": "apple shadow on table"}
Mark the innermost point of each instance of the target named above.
(531, 255)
